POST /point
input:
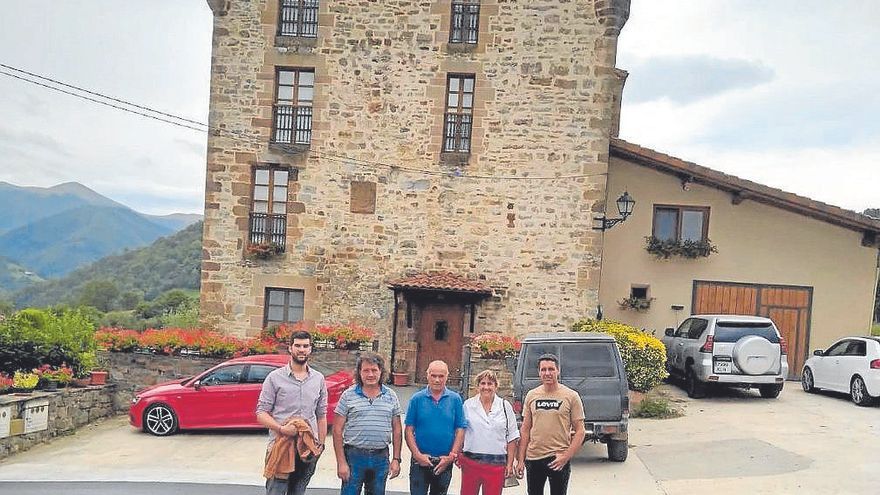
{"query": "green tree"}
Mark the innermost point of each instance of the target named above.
(101, 294)
(130, 299)
(6, 308)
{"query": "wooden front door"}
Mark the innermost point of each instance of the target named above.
(440, 336)
(788, 306)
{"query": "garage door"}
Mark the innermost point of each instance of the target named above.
(787, 305)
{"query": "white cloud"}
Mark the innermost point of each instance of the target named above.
(811, 130)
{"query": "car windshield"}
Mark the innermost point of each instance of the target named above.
(729, 331)
(576, 360)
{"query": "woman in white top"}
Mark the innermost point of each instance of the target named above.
(489, 439)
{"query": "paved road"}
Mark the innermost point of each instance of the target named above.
(799, 443)
(116, 488)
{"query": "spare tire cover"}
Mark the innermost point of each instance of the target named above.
(754, 355)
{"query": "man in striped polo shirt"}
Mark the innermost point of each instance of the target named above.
(367, 420)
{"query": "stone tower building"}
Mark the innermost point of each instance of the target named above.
(427, 169)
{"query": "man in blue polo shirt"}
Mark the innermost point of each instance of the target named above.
(434, 433)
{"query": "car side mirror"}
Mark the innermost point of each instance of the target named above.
(818, 352)
(197, 384)
(669, 331)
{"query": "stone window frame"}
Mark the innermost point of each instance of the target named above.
(467, 13)
(292, 118)
(269, 226)
(456, 115)
(680, 210)
(305, 13)
(286, 293)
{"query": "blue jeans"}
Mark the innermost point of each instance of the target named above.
(297, 482)
(423, 481)
(368, 469)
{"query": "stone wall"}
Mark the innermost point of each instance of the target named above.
(544, 107)
(69, 409)
(505, 377)
(131, 372)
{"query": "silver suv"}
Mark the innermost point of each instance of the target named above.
(743, 351)
(590, 364)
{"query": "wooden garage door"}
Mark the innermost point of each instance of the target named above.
(788, 306)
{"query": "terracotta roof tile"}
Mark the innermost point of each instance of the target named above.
(441, 282)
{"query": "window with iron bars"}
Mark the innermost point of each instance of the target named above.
(268, 221)
(298, 18)
(465, 25)
(459, 113)
(292, 112)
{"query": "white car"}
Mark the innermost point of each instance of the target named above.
(851, 365)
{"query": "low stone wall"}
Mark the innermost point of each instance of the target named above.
(131, 372)
(69, 409)
(499, 366)
(336, 359)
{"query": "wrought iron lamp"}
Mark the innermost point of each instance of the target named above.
(625, 205)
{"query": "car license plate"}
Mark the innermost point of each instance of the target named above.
(722, 366)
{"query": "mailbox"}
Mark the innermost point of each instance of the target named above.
(36, 415)
(5, 420)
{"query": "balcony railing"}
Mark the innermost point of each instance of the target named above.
(268, 229)
(299, 18)
(457, 137)
(465, 22)
(292, 125)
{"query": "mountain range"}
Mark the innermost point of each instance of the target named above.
(172, 262)
(48, 232)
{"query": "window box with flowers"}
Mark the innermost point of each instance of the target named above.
(665, 249)
(635, 303)
(495, 345)
(263, 251)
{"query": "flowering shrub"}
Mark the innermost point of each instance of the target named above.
(6, 382)
(171, 341)
(60, 374)
(644, 356)
(496, 345)
(323, 333)
(117, 340)
(25, 381)
(351, 336)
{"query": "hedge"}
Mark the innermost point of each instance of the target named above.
(644, 356)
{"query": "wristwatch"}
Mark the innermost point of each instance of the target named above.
(398, 459)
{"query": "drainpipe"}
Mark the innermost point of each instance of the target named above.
(393, 338)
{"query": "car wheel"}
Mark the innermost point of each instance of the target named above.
(695, 389)
(770, 391)
(807, 381)
(617, 450)
(859, 393)
(160, 420)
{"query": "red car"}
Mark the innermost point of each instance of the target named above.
(224, 396)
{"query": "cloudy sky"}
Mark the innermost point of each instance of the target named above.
(785, 93)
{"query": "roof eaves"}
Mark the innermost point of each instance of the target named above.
(741, 189)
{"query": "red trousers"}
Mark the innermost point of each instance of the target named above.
(474, 474)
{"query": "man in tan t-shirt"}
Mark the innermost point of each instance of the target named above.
(551, 412)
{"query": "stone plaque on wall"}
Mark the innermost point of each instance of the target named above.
(363, 197)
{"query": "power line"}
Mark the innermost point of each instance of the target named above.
(241, 137)
(94, 100)
(94, 93)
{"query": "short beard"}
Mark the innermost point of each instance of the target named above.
(300, 360)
